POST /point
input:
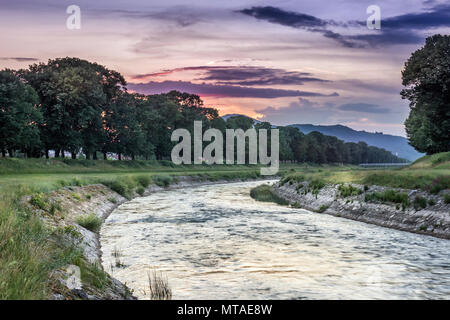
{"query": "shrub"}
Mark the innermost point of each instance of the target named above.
(90, 221)
(162, 181)
(118, 187)
(431, 202)
(419, 203)
(322, 208)
(112, 200)
(389, 195)
(316, 185)
(140, 190)
(447, 198)
(265, 193)
(144, 180)
(349, 191)
(76, 196)
(39, 201)
(439, 184)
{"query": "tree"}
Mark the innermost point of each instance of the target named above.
(426, 77)
(19, 116)
(74, 95)
(122, 126)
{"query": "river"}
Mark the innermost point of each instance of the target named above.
(215, 242)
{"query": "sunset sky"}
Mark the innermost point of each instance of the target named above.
(281, 61)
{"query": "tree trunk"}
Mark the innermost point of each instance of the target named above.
(47, 156)
(57, 153)
(62, 154)
(88, 155)
(120, 156)
(11, 153)
(132, 156)
(105, 157)
(94, 156)
(74, 155)
(3, 153)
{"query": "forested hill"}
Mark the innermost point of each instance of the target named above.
(396, 144)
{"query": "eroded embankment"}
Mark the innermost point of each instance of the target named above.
(74, 215)
(408, 210)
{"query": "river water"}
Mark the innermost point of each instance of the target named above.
(215, 242)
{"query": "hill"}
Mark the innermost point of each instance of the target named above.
(396, 144)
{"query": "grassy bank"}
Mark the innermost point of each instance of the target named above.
(430, 173)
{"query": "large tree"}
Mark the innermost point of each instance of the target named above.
(427, 79)
(19, 116)
(74, 95)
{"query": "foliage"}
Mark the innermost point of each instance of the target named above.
(447, 198)
(348, 191)
(387, 196)
(19, 116)
(426, 77)
(90, 221)
(266, 193)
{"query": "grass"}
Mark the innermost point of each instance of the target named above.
(388, 196)
(265, 193)
(322, 208)
(140, 190)
(447, 198)
(430, 173)
(419, 203)
(90, 221)
(346, 191)
(158, 285)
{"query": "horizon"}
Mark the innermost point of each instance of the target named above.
(282, 62)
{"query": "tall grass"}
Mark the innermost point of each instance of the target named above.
(158, 285)
(90, 221)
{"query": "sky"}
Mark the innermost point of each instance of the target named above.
(286, 61)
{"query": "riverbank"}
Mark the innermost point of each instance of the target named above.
(402, 209)
(74, 215)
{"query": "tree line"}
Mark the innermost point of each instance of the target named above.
(76, 106)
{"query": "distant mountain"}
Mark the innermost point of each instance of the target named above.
(397, 145)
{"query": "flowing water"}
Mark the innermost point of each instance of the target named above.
(215, 242)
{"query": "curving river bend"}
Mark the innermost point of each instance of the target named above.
(215, 242)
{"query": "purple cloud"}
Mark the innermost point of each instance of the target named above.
(204, 89)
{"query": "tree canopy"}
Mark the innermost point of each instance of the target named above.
(426, 77)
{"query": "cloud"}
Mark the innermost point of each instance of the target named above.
(401, 29)
(203, 89)
(301, 111)
(300, 21)
(437, 16)
(363, 107)
(19, 59)
(242, 75)
(285, 18)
